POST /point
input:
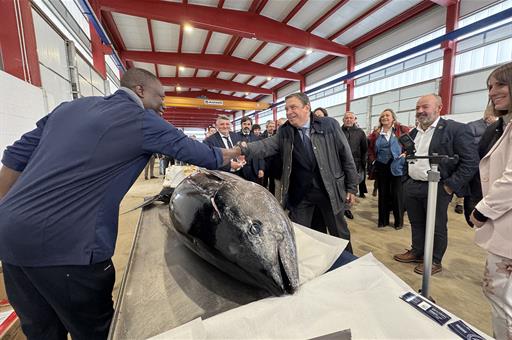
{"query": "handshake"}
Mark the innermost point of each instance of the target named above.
(234, 156)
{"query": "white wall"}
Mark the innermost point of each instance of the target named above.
(22, 106)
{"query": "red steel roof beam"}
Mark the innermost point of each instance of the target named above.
(243, 24)
(359, 19)
(445, 3)
(210, 62)
(206, 94)
(212, 83)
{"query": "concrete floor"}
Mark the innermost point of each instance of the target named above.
(457, 288)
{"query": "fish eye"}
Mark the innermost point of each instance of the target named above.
(255, 228)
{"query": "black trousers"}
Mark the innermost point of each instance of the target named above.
(54, 301)
(391, 196)
(416, 193)
(318, 204)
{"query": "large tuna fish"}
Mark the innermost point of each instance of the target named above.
(239, 227)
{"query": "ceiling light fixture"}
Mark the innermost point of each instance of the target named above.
(309, 51)
(178, 88)
(269, 78)
(188, 28)
(182, 68)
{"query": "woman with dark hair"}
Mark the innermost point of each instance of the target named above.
(492, 216)
(384, 152)
(320, 112)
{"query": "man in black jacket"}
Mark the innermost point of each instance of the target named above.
(226, 139)
(435, 135)
(254, 170)
(318, 169)
(358, 145)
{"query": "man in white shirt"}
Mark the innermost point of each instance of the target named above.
(226, 139)
(443, 137)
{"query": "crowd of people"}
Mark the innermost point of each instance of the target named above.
(66, 211)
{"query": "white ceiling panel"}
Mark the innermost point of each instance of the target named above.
(256, 81)
(166, 71)
(193, 41)
(134, 31)
(309, 13)
(209, 3)
(226, 92)
(239, 5)
(270, 84)
(195, 89)
(343, 17)
(252, 95)
(289, 56)
(218, 43)
(267, 53)
(308, 60)
(225, 75)
(145, 66)
(384, 14)
(246, 47)
(204, 73)
(166, 36)
(186, 72)
(278, 9)
(241, 78)
(168, 88)
(239, 94)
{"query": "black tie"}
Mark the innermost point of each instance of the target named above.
(307, 142)
(230, 146)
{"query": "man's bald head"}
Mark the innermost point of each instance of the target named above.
(146, 86)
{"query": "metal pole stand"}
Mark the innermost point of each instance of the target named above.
(433, 182)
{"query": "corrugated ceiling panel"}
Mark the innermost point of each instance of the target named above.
(226, 92)
(279, 9)
(240, 5)
(186, 72)
(239, 94)
(343, 17)
(309, 13)
(246, 47)
(256, 81)
(267, 53)
(308, 60)
(168, 88)
(193, 41)
(225, 75)
(242, 78)
(290, 55)
(270, 84)
(134, 31)
(252, 95)
(145, 66)
(209, 3)
(166, 71)
(165, 35)
(382, 15)
(218, 43)
(204, 73)
(194, 89)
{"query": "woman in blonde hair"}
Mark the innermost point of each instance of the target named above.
(384, 152)
(493, 214)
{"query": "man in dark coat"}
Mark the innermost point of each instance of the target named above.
(443, 137)
(318, 170)
(254, 170)
(226, 139)
(358, 145)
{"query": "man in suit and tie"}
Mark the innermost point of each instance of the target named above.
(254, 170)
(443, 137)
(226, 139)
(319, 173)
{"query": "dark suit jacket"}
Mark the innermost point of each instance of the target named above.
(250, 170)
(454, 138)
(216, 140)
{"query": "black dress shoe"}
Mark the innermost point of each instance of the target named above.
(362, 195)
(154, 177)
(398, 226)
(382, 225)
(459, 209)
(349, 215)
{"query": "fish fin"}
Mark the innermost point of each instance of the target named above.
(212, 199)
(164, 196)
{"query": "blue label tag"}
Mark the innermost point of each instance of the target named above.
(426, 307)
(463, 330)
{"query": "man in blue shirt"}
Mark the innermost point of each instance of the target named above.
(60, 189)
